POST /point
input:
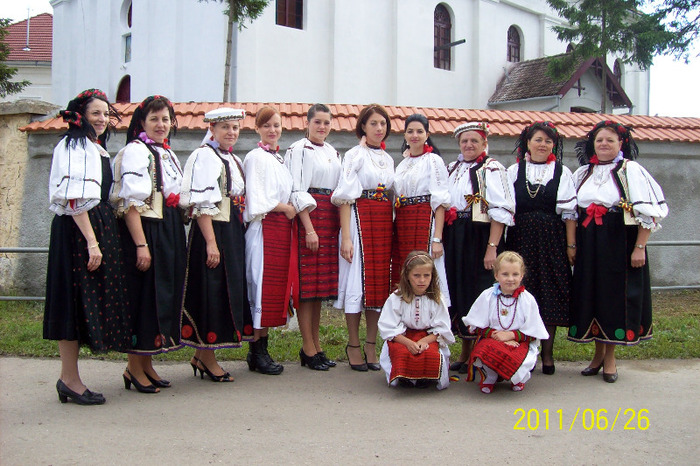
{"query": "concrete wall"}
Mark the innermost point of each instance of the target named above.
(38, 74)
(675, 166)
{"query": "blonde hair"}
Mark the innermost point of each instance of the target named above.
(511, 257)
(413, 260)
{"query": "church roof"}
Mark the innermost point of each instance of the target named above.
(529, 79)
(508, 123)
(40, 39)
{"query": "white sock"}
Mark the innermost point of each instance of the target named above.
(491, 375)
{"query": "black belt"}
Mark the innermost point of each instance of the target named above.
(325, 191)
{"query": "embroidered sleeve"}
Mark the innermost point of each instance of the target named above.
(349, 185)
(75, 182)
(522, 338)
(137, 184)
(299, 161)
(499, 193)
(439, 193)
(567, 204)
(390, 320)
(201, 187)
(648, 201)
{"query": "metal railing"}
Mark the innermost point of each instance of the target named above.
(34, 250)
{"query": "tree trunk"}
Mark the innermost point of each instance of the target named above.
(229, 46)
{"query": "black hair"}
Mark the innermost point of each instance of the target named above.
(78, 127)
(154, 103)
(586, 149)
(423, 121)
(549, 129)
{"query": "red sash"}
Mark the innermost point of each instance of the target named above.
(426, 365)
(374, 227)
(411, 232)
(503, 359)
(277, 241)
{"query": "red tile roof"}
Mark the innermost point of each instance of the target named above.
(40, 39)
(442, 120)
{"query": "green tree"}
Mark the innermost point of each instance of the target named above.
(237, 11)
(6, 72)
(682, 18)
(598, 28)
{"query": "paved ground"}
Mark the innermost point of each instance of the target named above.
(345, 417)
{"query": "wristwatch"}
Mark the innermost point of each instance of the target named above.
(436, 240)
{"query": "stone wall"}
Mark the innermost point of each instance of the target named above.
(675, 166)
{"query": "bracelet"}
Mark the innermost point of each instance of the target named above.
(571, 246)
(310, 233)
(94, 245)
(493, 245)
(437, 240)
(144, 245)
(640, 246)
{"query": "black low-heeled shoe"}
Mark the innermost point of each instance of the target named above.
(588, 371)
(610, 378)
(161, 383)
(548, 369)
(326, 361)
(457, 366)
(87, 398)
(140, 388)
(356, 367)
(373, 366)
(314, 362)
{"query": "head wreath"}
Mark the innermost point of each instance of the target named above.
(586, 149)
(549, 129)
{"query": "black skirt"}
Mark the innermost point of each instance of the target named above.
(465, 243)
(89, 307)
(155, 296)
(611, 299)
(540, 238)
(216, 313)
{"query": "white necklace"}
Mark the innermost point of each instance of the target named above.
(381, 164)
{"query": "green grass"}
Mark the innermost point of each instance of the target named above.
(676, 335)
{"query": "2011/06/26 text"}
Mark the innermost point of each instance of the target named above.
(590, 419)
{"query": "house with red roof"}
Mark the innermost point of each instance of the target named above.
(31, 43)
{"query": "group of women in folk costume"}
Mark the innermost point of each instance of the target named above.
(272, 233)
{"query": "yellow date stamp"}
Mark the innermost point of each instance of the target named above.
(590, 419)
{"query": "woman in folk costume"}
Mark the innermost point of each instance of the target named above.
(509, 326)
(415, 327)
(315, 167)
(85, 301)
(422, 196)
(268, 248)
(545, 226)
(365, 233)
(146, 194)
(482, 205)
(215, 312)
(620, 204)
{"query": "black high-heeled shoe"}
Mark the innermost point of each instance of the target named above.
(140, 388)
(194, 364)
(356, 367)
(373, 366)
(314, 362)
(87, 398)
(161, 383)
(588, 371)
(548, 369)
(326, 361)
(225, 377)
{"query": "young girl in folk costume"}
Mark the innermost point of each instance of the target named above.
(146, 193)
(415, 326)
(422, 196)
(268, 247)
(509, 326)
(482, 205)
(365, 233)
(315, 167)
(85, 302)
(620, 205)
(215, 312)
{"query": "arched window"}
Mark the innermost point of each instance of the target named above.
(442, 55)
(513, 44)
(617, 70)
(124, 90)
